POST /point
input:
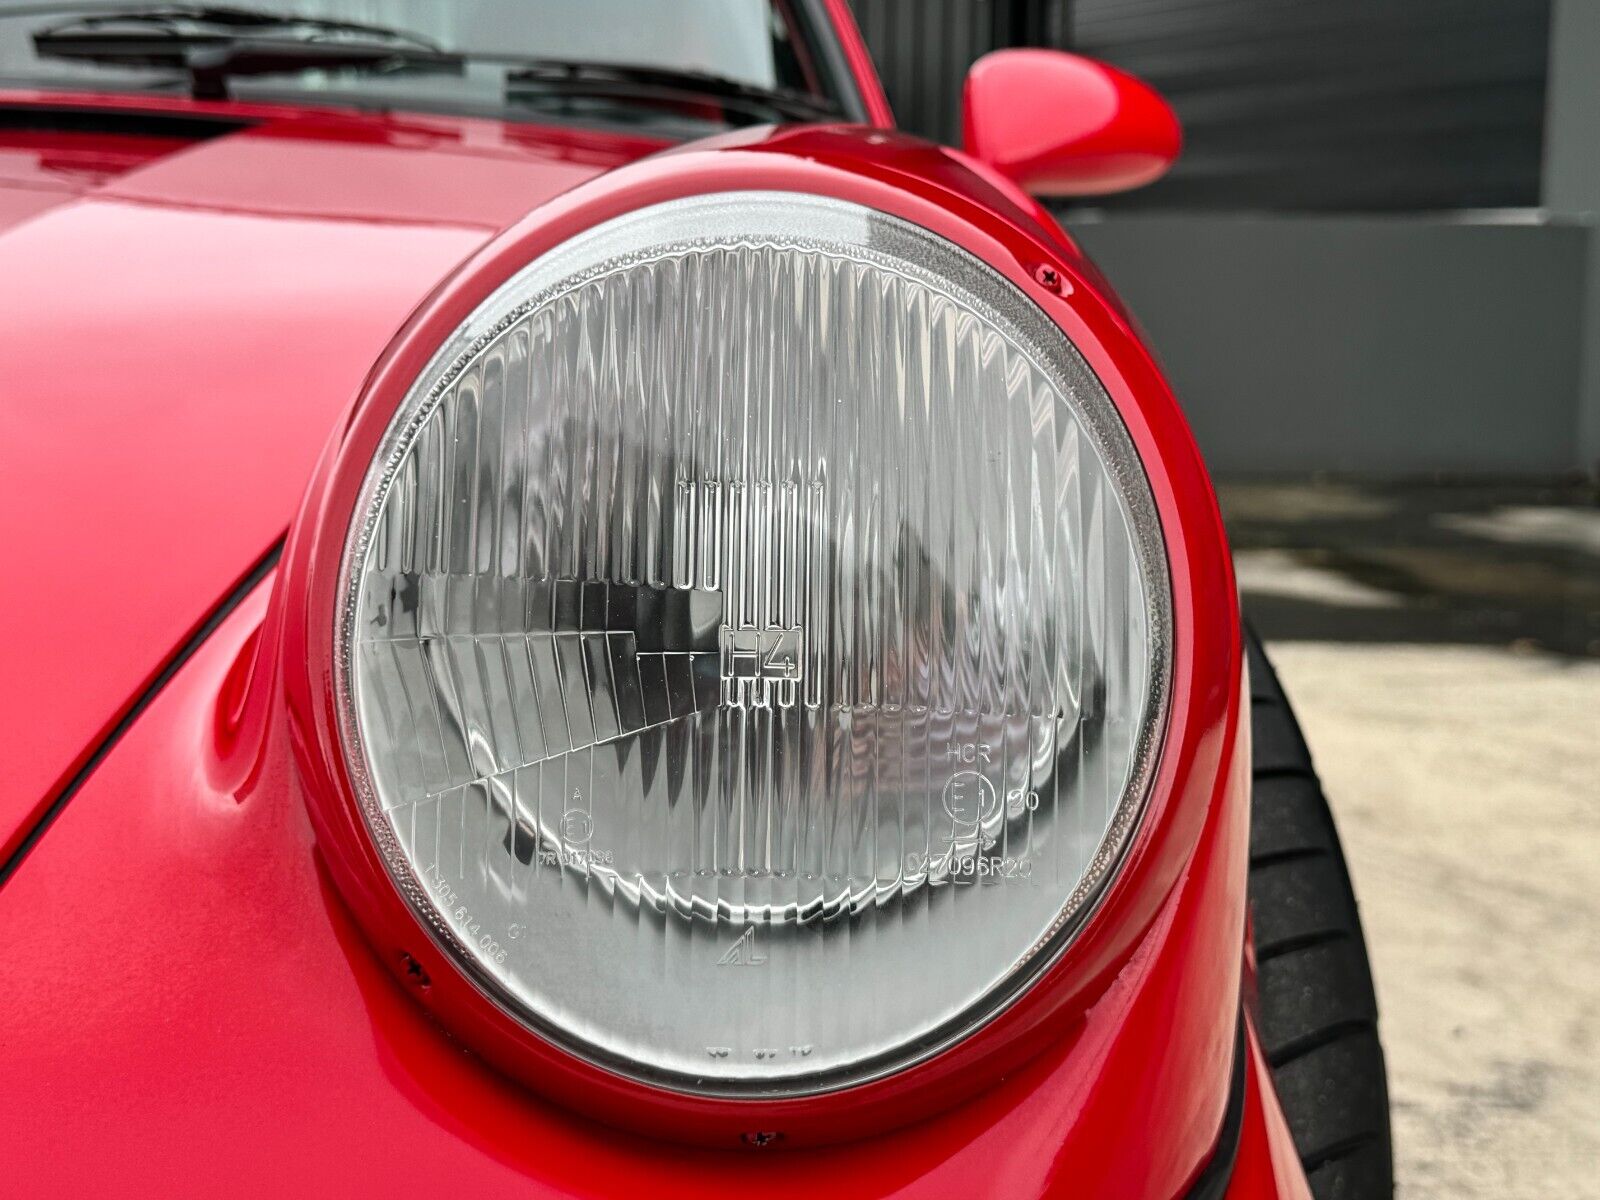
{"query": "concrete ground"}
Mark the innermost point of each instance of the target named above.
(1442, 648)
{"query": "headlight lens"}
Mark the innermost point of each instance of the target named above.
(754, 644)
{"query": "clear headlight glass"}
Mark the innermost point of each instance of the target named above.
(754, 644)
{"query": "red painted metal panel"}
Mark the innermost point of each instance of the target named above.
(178, 344)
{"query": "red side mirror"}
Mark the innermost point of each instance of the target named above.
(1059, 124)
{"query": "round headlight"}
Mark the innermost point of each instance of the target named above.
(754, 644)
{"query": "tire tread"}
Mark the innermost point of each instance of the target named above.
(1318, 1012)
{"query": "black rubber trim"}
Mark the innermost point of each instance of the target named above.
(52, 118)
(1218, 1173)
(173, 665)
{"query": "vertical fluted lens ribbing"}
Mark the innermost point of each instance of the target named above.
(755, 642)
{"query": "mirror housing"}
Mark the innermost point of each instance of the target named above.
(1059, 124)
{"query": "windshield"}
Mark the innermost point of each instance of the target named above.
(746, 48)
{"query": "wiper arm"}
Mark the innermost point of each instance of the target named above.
(213, 42)
(665, 88)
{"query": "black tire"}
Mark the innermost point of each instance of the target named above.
(1318, 1014)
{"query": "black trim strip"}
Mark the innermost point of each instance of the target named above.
(63, 118)
(185, 652)
(1218, 1173)
(824, 39)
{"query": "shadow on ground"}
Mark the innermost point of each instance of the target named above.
(1504, 565)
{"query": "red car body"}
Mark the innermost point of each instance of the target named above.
(210, 990)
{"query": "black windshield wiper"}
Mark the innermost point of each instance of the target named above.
(659, 87)
(213, 42)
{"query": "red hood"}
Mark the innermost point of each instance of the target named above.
(185, 315)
